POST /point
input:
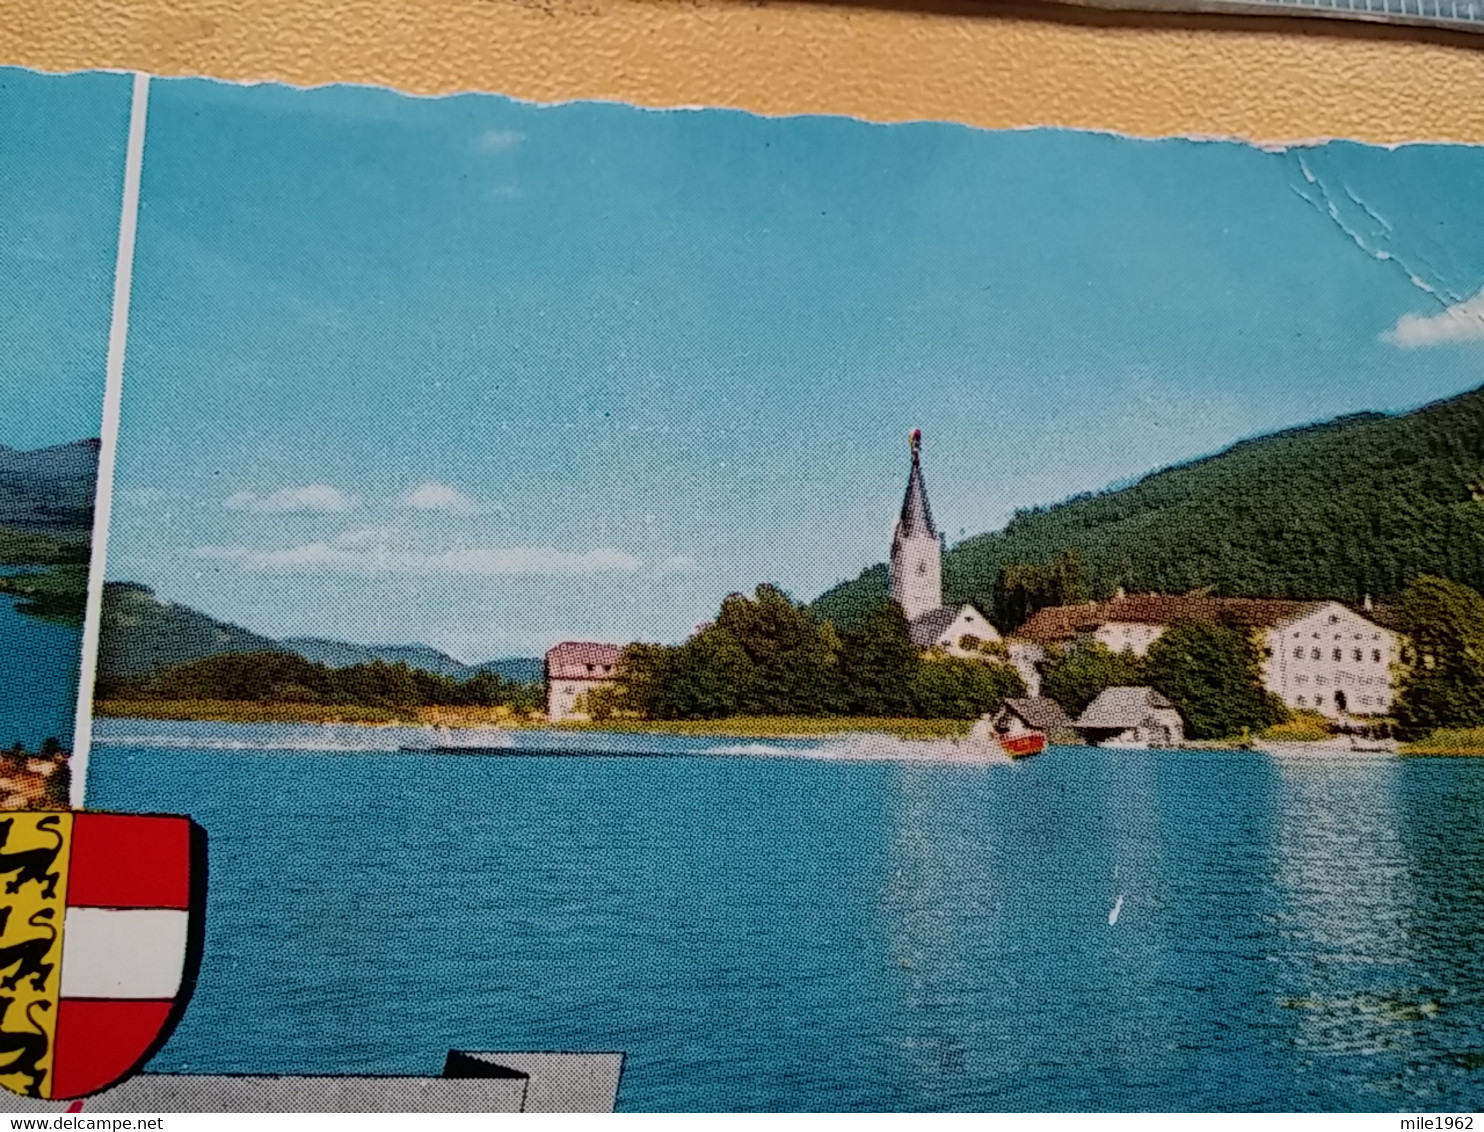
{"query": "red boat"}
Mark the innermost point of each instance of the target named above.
(1023, 745)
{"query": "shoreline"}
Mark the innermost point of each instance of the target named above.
(1443, 744)
(463, 719)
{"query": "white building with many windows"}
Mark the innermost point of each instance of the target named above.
(1333, 660)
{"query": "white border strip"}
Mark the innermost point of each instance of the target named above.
(113, 387)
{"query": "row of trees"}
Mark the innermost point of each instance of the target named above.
(1443, 685)
(277, 677)
(768, 655)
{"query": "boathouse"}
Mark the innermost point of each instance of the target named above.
(1131, 717)
(1022, 715)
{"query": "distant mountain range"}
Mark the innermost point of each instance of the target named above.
(338, 654)
(50, 490)
(142, 635)
(1355, 506)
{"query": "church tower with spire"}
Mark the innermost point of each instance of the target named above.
(916, 572)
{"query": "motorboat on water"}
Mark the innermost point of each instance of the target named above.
(1023, 745)
(1017, 742)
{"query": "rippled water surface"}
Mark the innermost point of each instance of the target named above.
(838, 925)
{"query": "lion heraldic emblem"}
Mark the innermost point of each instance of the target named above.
(100, 941)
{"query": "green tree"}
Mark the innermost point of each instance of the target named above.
(794, 654)
(1075, 676)
(1021, 589)
(601, 703)
(379, 684)
(708, 677)
(484, 689)
(1444, 687)
(1213, 674)
(879, 663)
(262, 676)
(643, 670)
(953, 688)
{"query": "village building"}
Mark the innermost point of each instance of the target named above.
(1027, 657)
(1131, 717)
(915, 577)
(1317, 655)
(1026, 715)
(573, 669)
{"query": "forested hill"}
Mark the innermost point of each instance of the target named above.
(143, 635)
(46, 506)
(1354, 506)
(49, 489)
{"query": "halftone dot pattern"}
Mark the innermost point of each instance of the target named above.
(419, 390)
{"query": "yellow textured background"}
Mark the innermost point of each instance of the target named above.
(989, 65)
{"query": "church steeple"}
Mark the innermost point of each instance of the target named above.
(916, 572)
(917, 516)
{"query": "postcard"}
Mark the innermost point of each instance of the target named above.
(787, 613)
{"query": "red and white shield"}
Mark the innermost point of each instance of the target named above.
(100, 934)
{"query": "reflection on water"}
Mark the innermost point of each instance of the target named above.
(797, 925)
(1379, 863)
(1342, 873)
(943, 908)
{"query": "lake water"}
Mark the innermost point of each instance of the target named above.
(38, 677)
(835, 925)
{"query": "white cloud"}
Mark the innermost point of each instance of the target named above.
(433, 496)
(498, 141)
(319, 497)
(1462, 322)
(374, 551)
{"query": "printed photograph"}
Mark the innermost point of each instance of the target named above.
(61, 176)
(846, 616)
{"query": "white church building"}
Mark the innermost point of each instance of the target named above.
(915, 582)
(916, 576)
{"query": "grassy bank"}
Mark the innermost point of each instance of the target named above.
(781, 727)
(241, 711)
(739, 727)
(1457, 742)
(1453, 743)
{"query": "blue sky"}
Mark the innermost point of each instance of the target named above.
(488, 375)
(61, 177)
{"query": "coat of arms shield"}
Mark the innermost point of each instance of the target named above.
(100, 942)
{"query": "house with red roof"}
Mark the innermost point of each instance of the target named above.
(573, 669)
